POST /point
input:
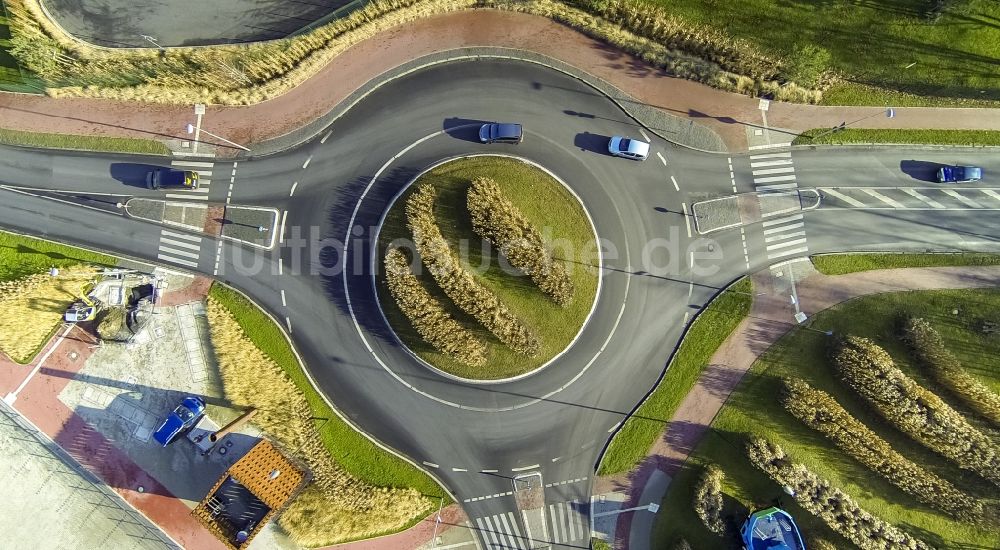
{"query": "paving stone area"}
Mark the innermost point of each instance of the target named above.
(46, 491)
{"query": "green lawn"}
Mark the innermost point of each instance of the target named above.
(839, 264)
(865, 135)
(872, 42)
(708, 331)
(353, 451)
(21, 256)
(83, 143)
(753, 409)
(559, 217)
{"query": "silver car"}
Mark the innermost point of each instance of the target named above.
(628, 148)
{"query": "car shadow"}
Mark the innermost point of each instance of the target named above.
(594, 143)
(131, 173)
(921, 170)
(465, 129)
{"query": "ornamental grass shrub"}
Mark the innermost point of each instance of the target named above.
(830, 504)
(821, 412)
(456, 282)
(707, 500)
(917, 412)
(428, 316)
(497, 220)
(930, 350)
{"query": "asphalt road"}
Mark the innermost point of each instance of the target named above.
(126, 24)
(657, 272)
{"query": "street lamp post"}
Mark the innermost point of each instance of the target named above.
(889, 113)
(191, 130)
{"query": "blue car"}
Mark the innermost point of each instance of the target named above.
(959, 174)
(182, 418)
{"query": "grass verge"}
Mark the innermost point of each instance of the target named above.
(840, 264)
(103, 144)
(896, 136)
(563, 224)
(708, 331)
(353, 451)
(753, 410)
(21, 256)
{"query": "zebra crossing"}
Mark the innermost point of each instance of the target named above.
(566, 523)
(910, 198)
(179, 248)
(204, 170)
(778, 197)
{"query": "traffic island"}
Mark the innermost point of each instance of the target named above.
(459, 285)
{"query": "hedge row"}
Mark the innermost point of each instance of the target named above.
(428, 316)
(821, 412)
(928, 347)
(830, 504)
(496, 219)
(708, 499)
(457, 283)
(868, 369)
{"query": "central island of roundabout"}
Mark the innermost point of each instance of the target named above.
(486, 267)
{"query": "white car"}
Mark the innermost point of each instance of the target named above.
(629, 148)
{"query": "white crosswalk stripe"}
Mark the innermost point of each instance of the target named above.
(883, 198)
(769, 179)
(991, 193)
(774, 180)
(767, 171)
(204, 170)
(179, 248)
(843, 197)
(926, 200)
(501, 532)
(963, 199)
(569, 522)
(785, 155)
(763, 163)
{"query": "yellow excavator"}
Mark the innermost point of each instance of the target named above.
(85, 309)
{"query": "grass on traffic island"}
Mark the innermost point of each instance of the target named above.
(368, 491)
(898, 136)
(104, 144)
(708, 331)
(840, 264)
(754, 409)
(546, 204)
(31, 300)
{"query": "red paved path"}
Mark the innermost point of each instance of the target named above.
(360, 63)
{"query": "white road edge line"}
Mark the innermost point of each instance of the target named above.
(281, 232)
(431, 464)
(687, 221)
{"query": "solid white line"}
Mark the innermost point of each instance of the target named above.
(182, 244)
(663, 160)
(766, 171)
(192, 163)
(786, 244)
(769, 146)
(782, 220)
(283, 303)
(882, 198)
(185, 253)
(691, 259)
(783, 236)
(185, 236)
(676, 187)
(326, 137)
(292, 192)
(769, 179)
(687, 221)
(306, 163)
(777, 187)
(611, 429)
(785, 155)
(644, 135)
(922, 198)
(788, 252)
(281, 232)
(525, 468)
(783, 228)
(176, 260)
(845, 198)
(187, 196)
(764, 163)
(966, 200)
(288, 323)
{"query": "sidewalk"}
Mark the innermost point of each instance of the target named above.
(726, 113)
(769, 319)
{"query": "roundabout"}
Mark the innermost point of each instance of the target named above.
(552, 210)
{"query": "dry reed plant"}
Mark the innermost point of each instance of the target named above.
(251, 379)
(33, 307)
